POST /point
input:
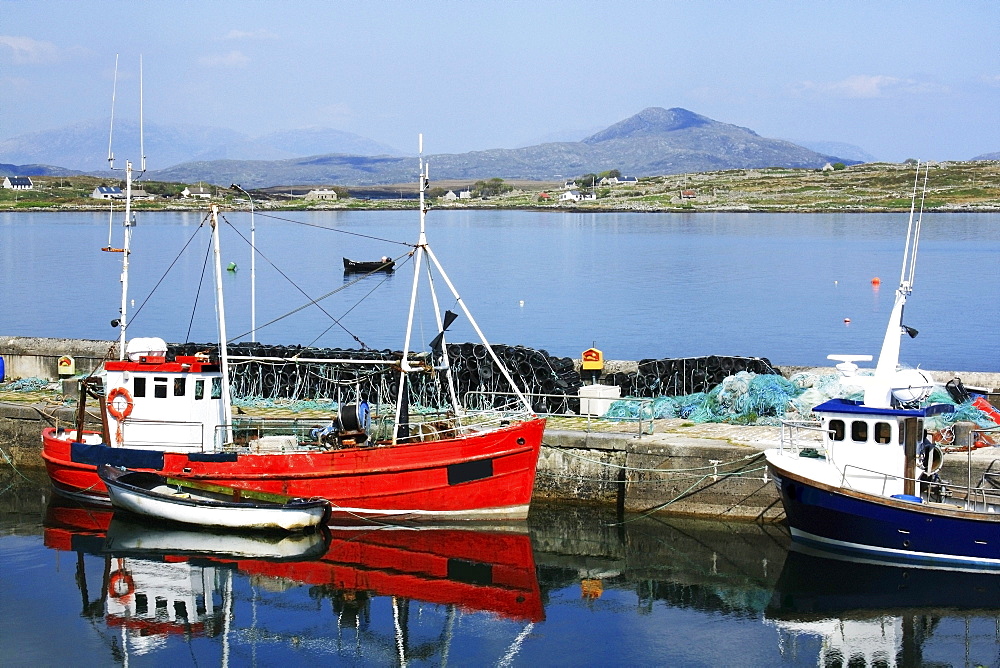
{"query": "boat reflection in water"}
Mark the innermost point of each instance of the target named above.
(152, 582)
(869, 612)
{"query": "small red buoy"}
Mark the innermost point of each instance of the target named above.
(847, 321)
(876, 281)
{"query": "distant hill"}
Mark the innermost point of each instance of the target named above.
(84, 146)
(654, 141)
(839, 149)
(35, 170)
(988, 156)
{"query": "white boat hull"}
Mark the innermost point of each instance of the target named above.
(187, 506)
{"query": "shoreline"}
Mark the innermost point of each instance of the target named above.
(624, 208)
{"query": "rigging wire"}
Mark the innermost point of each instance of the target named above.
(348, 311)
(333, 229)
(336, 321)
(312, 301)
(197, 294)
(164, 276)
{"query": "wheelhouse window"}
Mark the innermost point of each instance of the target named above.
(160, 387)
(138, 386)
(180, 385)
(883, 432)
(217, 388)
(859, 431)
(836, 428)
(199, 388)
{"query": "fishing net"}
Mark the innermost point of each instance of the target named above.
(767, 399)
(25, 385)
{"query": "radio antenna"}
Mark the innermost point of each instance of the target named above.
(142, 145)
(111, 132)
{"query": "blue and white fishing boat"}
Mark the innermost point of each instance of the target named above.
(870, 484)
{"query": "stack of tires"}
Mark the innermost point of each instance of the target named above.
(675, 377)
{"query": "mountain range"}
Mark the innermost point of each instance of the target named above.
(655, 141)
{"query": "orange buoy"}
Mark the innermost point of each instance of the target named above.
(876, 281)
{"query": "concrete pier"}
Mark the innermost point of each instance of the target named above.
(711, 470)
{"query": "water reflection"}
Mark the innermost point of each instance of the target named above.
(156, 581)
(871, 613)
(576, 585)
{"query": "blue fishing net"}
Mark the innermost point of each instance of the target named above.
(767, 399)
(25, 385)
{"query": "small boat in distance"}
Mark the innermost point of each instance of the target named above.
(152, 495)
(386, 264)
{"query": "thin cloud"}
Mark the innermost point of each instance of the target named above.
(27, 51)
(233, 59)
(867, 86)
(250, 35)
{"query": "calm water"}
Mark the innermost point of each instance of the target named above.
(637, 285)
(572, 587)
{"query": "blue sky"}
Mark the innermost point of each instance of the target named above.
(900, 79)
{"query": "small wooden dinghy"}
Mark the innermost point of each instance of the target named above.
(192, 502)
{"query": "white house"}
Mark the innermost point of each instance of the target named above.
(628, 181)
(608, 181)
(107, 192)
(450, 196)
(465, 194)
(569, 185)
(570, 196)
(200, 192)
(321, 194)
(17, 183)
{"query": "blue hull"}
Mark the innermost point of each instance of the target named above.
(900, 531)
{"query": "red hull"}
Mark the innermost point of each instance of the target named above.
(486, 476)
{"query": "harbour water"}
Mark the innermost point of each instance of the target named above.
(574, 586)
(636, 285)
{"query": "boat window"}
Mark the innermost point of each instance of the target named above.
(217, 388)
(836, 430)
(159, 387)
(199, 389)
(138, 387)
(883, 432)
(859, 431)
(179, 385)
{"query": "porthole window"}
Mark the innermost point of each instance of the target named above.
(859, 431)
(836, 428)
(883, 432)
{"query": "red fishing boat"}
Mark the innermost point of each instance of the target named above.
(174, 416)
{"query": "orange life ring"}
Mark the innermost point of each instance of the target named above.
(120, 584)
(119, 413)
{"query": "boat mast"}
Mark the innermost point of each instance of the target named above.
(422, 248)
(220, 312)
(122, 321)
(418, 256)
(888, 358)
(879, 392)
